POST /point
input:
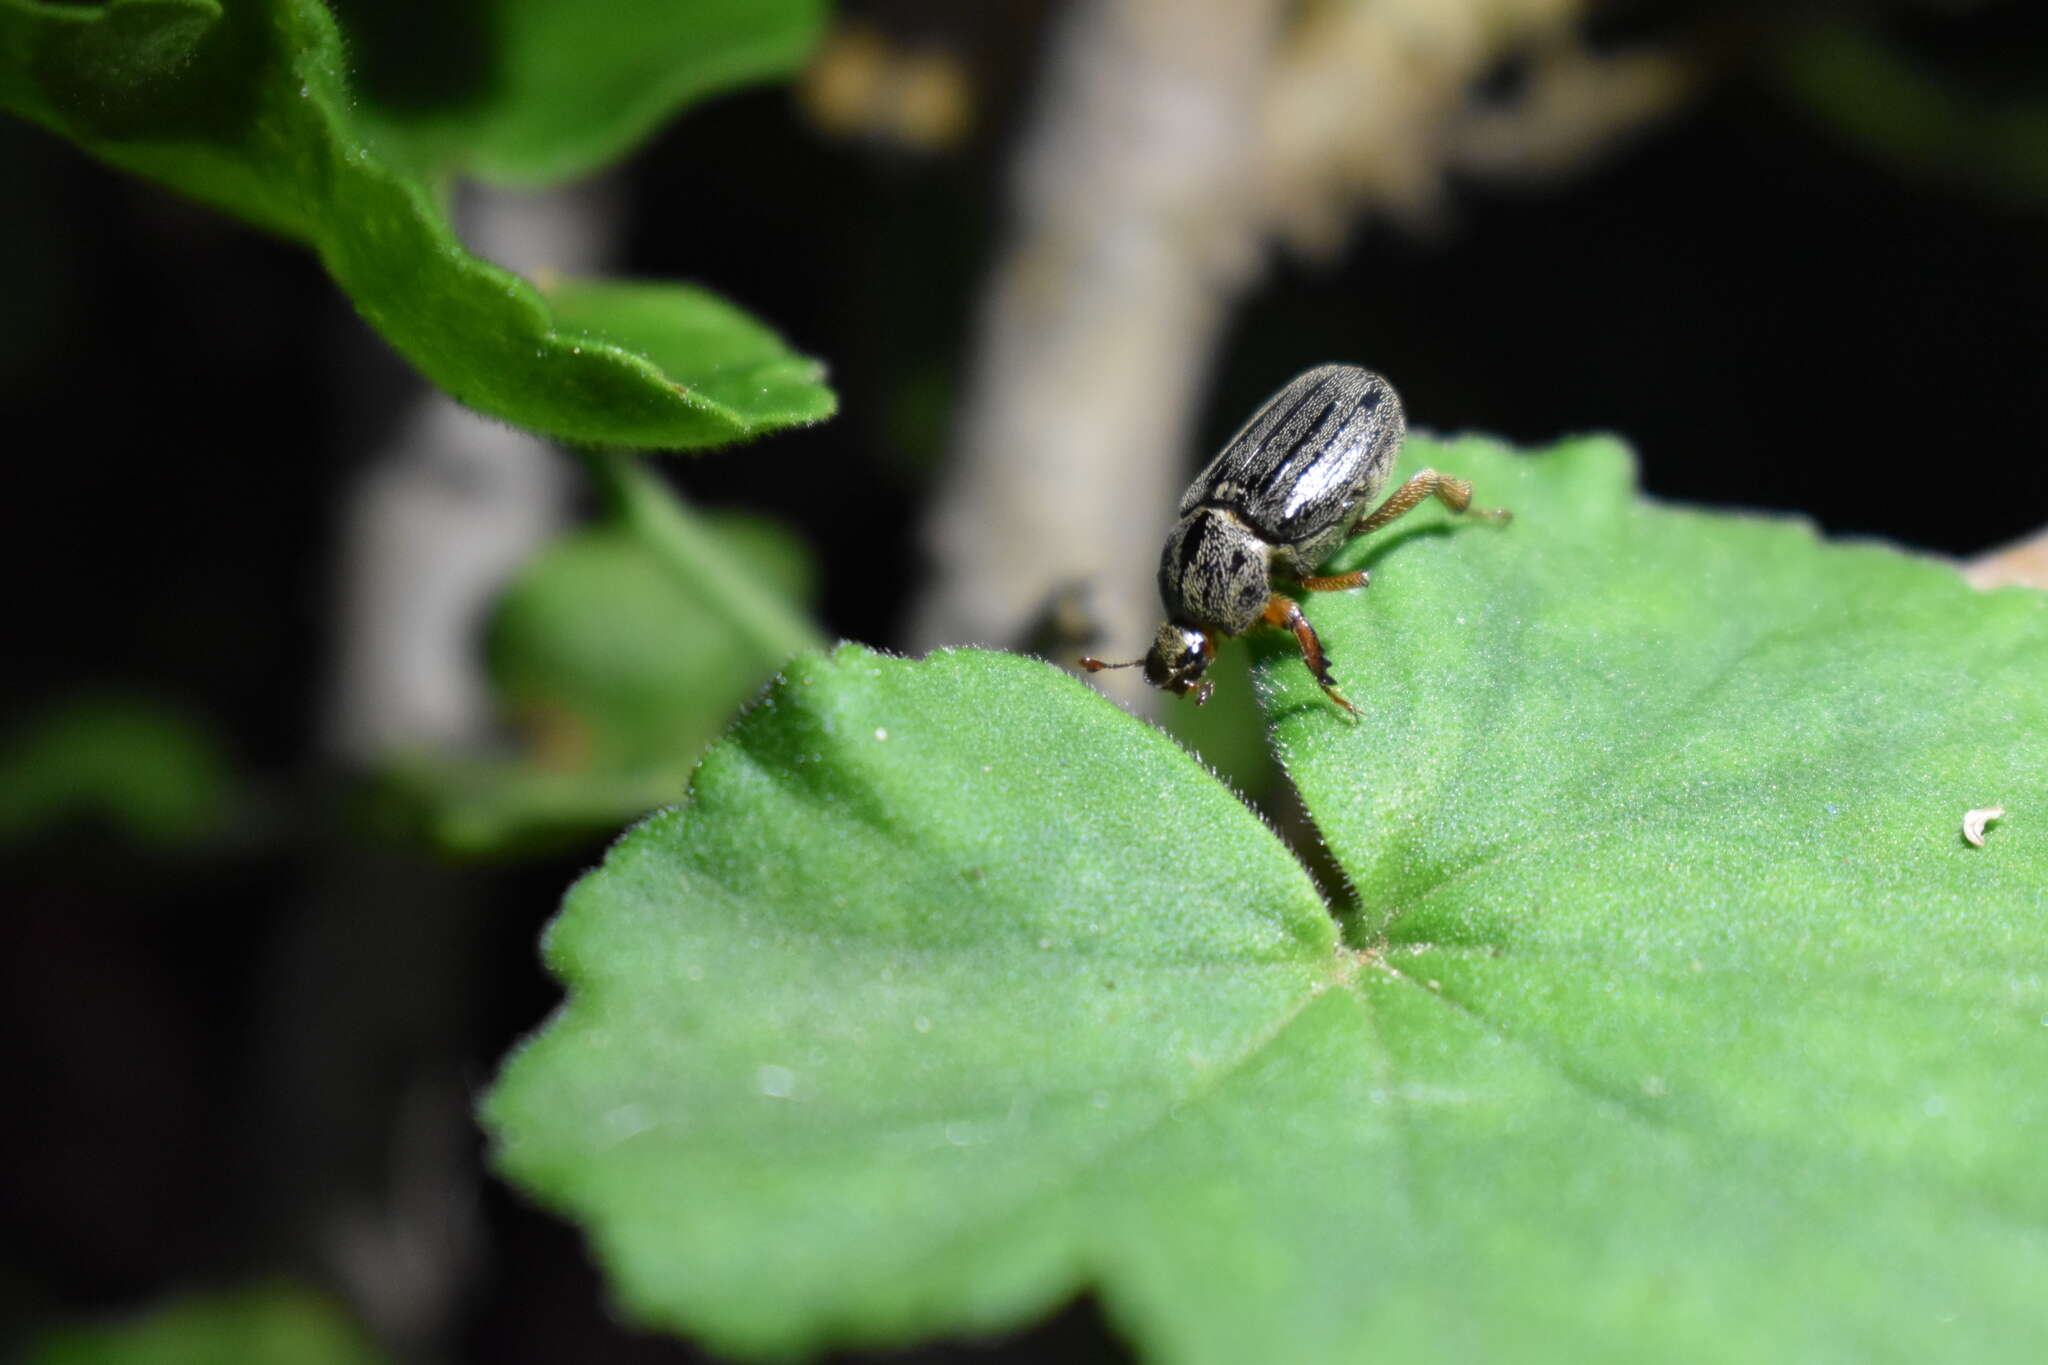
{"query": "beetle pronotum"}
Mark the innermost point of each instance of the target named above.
(1269, 509)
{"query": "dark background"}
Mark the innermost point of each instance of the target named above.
(1773, 318)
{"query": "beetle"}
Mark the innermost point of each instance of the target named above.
(1278, 500)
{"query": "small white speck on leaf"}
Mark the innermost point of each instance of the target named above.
(880, 733)
(628, 1120)
(776, 1082)
(1974, 822)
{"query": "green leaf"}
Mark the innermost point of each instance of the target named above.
(278, 1324)
(731, 361)
(1874, 96)
(919, 956)
(617, 671)
(142, 767)
(248, 108)
(1673, 1019)
(1663, 810)
(534, 91)
(1228, 733)
(598, 628)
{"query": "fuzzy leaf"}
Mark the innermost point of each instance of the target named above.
(933, 949)
(1674, 1020)
(616, 671)
(534, 91)
(248, 108)
(132, 762)
(277, 1324)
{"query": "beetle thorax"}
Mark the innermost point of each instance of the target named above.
(1215, 572)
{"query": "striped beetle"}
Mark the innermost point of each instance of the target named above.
(1269, 509)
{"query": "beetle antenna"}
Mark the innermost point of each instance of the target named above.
(1094, 665)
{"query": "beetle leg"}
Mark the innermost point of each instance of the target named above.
(1337, 582)
(1453, 492)
(1285, 612)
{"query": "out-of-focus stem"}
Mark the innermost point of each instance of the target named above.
(668, 527)
(1173, 138)
(363, 1152)
(1132, 232)
(444, 514)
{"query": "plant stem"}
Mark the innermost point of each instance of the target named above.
(667, 526)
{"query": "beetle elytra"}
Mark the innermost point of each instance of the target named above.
(1285, 492)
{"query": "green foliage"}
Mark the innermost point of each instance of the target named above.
(942, 961)
(248, 108)
(1673, 1019)
(1229, 731)
(600, 629)
(1873, 94)
(277, 1324)
(616, 670)
(133, 763)
(534, 91)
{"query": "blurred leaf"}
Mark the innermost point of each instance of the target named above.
(278, 1324)
(546, 92)
(617, 672)
(1674, 1020)
(1872, 94)
(598, 628)
(728, 358)
(1229, 732)
(248, 109)
(152, 773)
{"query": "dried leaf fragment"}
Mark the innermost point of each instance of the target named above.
(1974, 822)
(2023, 563)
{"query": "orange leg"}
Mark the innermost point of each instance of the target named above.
(1285, 612)
(1451, 491)
(1337, 582)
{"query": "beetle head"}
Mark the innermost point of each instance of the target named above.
(1180, 655)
